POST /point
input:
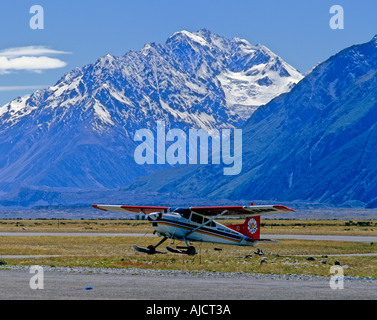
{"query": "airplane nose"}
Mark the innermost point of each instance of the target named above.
(154, 216)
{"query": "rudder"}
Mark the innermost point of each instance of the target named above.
(250, 228)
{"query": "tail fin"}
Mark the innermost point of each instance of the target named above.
(250, 228)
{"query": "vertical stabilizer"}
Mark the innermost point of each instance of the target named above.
(250, 228)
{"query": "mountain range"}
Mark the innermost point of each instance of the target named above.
(79, 133)
(316, 143)
(305, 139)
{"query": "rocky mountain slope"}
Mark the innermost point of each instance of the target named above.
(316, 143)
(79, 133)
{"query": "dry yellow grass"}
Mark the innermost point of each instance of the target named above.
(316, 227)
(288, 256)
(268, 226)
(57, 226)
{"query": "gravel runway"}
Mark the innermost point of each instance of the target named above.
(141, 284)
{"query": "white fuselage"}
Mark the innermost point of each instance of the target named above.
(174, 225)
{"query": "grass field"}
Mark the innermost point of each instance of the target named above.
(286, 257)
(268, 226)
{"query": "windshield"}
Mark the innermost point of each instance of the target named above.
(184, 212)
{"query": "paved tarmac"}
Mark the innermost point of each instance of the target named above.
(152, 285)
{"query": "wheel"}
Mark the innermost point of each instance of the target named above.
(191, 251)
(151, 249)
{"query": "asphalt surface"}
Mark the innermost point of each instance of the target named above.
(151, 285)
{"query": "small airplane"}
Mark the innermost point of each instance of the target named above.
(196, 224)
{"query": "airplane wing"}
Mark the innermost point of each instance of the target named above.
(129, 209)
(249, 211)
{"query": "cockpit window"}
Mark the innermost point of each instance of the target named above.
(210, 224)
(197, 218)
(184, 212)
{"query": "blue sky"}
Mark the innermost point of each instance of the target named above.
(79, 32)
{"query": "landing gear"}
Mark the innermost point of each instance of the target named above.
(150, 249)
(189, 250)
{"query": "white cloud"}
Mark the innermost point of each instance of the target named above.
(17, 88)
(29, 51)
(31, 58)
(30, 63)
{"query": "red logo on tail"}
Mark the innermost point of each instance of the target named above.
(250, 228)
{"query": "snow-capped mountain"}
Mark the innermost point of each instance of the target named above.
(249, 76)
(79, 132)
(316, 143)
